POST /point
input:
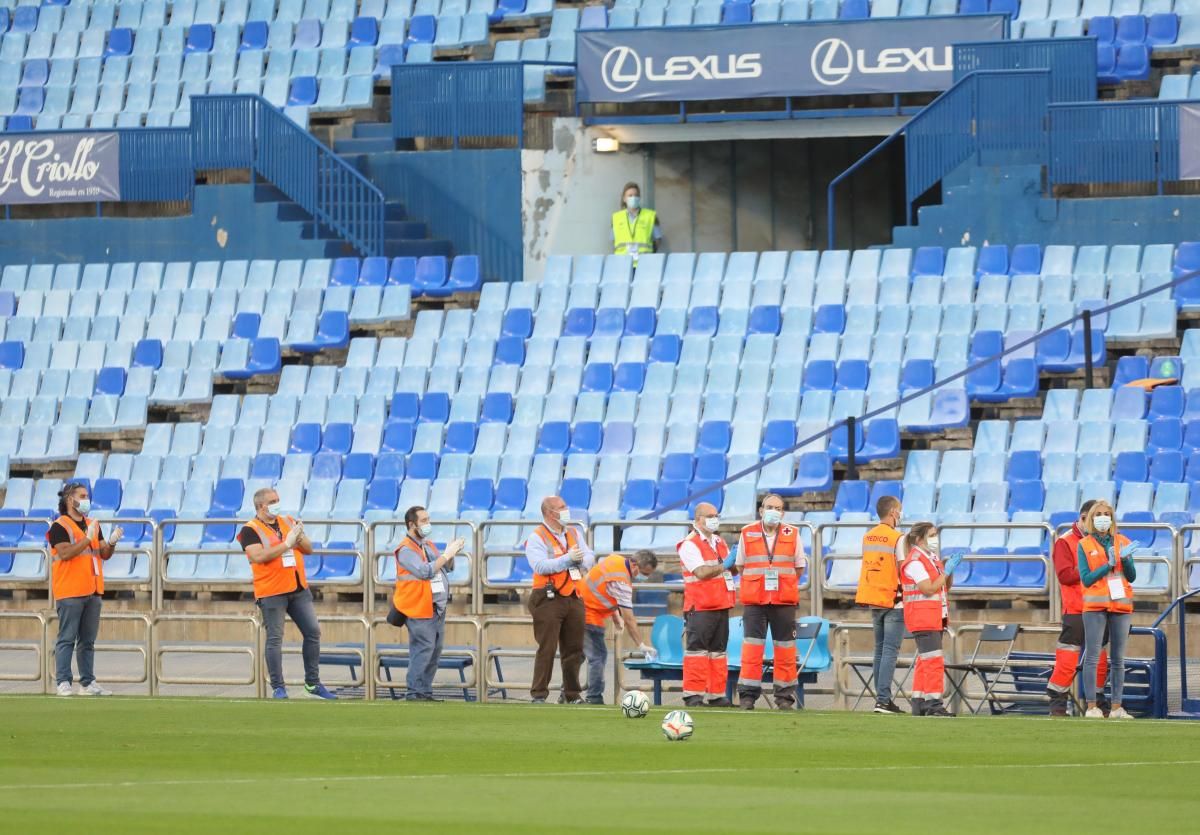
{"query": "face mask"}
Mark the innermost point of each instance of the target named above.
(772, 517)
(564, 517)
(1102, 523)
(275, 509)
(933, 542)
(712, 523)
(425, 530)
(84, 506)
(633, 202)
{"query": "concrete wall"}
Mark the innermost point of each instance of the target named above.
(225, 223)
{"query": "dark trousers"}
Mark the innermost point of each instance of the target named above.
(557, 627)
(78, 626)
(298, 605)
(705, 668)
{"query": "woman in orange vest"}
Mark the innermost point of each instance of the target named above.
(78, 550)
(925, 581)
(421, 596)
(1106, 572)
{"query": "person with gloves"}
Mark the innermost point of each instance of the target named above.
(276, 546)
(608, 592)
(925, 580)
(770, 562)
(1106, 572)
(708, 596)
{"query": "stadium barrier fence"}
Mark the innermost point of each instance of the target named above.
(36, 647)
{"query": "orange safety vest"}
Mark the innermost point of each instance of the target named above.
(708, 595)
(1096, 597)
(922, 612)
(758, 560)
(82, 576)
(600, 604)
(413, 596)
(272, 578)
(561, 580)
(878, 579)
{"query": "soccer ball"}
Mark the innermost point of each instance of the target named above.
(635, 705)
(677, 726)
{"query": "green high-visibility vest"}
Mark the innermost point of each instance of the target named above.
(632, 238)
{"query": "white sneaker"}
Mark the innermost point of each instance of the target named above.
(94, 689)
(1119, 713)
(1094, 713)
(64, 689)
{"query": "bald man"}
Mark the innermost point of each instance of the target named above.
(707, 598)
(559, 555)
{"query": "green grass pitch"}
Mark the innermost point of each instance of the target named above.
(177, 765)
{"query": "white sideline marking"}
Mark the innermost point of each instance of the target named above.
(522, 775)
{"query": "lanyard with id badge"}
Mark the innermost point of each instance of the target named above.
(771, 577)
(1116, 584)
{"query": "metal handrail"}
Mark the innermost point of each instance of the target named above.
(253, 649)
(143, 649)
(27, 549)
(375, 656)
(1176, 582)
(38, 648)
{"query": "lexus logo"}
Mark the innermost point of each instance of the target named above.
(621, 69)
(832, 62)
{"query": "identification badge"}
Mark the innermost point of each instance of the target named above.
(1116, 589)
(289, 561)
(95, 566)
(728, 581)
(632, 249)
(438, 584)
(575, 574)
(771, 580)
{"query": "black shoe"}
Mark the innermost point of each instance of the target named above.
(537, 700)
(1058, 703)
(693, 701)
(1105, 706)
(424, 697)
(887, 707)
(721, 702)
(938, 711)
(747, 702)
(563, 700)
(785, 704)
(595, 700)
(918, 707)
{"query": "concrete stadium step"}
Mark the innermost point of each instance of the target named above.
(404, 229)
(364, 145)
(417, 248)
(373, 130)
(394, 210)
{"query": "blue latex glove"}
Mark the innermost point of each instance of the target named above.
(951, 564)
(730, 561)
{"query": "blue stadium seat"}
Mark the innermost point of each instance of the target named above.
(829, 318)
(518, 322)
(435, 407)
(200, 39)
(665, 348)
(398, 436)
(579, 322)
(554, 437)
(1163, 29)
(852, 497)
(1131, 29)
(881, 441)
(819, 375)
(993, 260)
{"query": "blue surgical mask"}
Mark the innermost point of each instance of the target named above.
(772, 517)
(84, 506)
(275, 509)
(425, 530)
(633, 202)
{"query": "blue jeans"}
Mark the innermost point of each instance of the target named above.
(299, 606)
(425, 638)
(889, 632)
(1094, 624)
(595, 649)
(78, 625)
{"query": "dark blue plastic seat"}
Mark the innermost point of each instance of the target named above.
(306, 438)
(337, 437)
(517, 322)
(200, 38)
(511, 494)
(778, 435)
(814, 474)
(630, 376)
(1166, 401)
(460, 437)
(715, 436)
(993, 260)
(435, 407)
(464, 275)
(580, 321)
(398, 436)
(227, 496)
(882, 440)
(829, 318)
(1133, 62)
(510, 350)
(819, 375)
(598, 377)
(1163, 29)
(555, 437)
(765, 318)
(587, 437)
(1024, 465)
(738, 11)
(478, 494)
(422, 28)
(929, 260)
(665, 348)
(1026, 260)
(852, 375)
(403, 271)
(344, 272)
(423, 465)
(255, 35)
(641, 321)
(711, 467)
(497, 408)
(120, 42)
(639, 497)
(678, 466)
(364, 31)
(1168, 465)
(405, 407)
(110, 380)
(577, 493)
(839, 449)
(303, 92)
(383, 494)
(359, 466)
(1131, 29)
(852, 497)
(1026, 496)
(245, 325)
(106, 494)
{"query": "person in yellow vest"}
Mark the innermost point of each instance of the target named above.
(884, 551)
(276, 546)
(707, 598)
(634, 229)
(421, 596)
(1106, 572)
(78, 550)
(558, 554)
(770, 559)
(608, 593)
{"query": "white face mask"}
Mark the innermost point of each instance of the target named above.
(275, 509)
(1102, 523)
(425, 530)
(772, 517)
(633, 202)
(933, 542)
(712, 523)
(564, 517)
(84, 506)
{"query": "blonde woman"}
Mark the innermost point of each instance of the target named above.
(925, 580)
(1106, 572)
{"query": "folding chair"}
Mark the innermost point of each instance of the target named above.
(989, 671)
(868, 682)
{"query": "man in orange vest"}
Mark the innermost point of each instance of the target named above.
(558, 554)
(276, 546)
(608, 592)
(879, 589)
(770, 561)
(78, 550)
(1070, 640)
(707, 598)
(421, 596)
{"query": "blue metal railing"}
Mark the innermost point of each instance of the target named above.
(458, 100)
(983, 112)
(1071, 61)
(150, 164)
(248, 132)
(1188, 704)
(1133, 141)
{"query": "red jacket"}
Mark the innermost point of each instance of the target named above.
(1066, 566)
